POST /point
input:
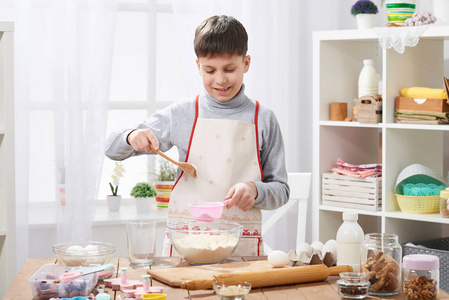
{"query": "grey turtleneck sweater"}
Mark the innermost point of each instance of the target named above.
(173, 125)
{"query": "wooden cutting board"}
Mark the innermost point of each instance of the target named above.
(177, 277)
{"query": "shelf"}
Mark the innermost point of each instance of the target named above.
(359, 211)
(386, 125)
(350, 34)
(7, 161)
(369, 34)
(350, 124)
(337, 61)
(434, 218)
(417, 126)
(6, 26)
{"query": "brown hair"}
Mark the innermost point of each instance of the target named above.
(219, 35)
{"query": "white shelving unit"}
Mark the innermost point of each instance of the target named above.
(337, 62)
(7, 172)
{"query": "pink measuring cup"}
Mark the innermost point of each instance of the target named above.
(207, 211)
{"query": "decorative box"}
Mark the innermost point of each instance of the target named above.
(422, 105)
(369, 109)
(352, 192)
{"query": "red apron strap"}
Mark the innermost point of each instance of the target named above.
(191, 135)
(256, 118)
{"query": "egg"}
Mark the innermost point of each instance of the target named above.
(330, 246)
(75, 249)
(304, 248)
(317, 245)
(278, 258)
(92, 249)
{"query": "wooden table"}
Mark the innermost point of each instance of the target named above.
(20, 288)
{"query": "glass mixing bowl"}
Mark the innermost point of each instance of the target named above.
(201, 243)
(73, 254)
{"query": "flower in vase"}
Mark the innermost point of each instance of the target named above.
(116, 175)
(364, 7)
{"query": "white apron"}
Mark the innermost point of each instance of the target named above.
(224, 152)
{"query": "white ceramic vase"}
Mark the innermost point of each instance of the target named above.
(365, 21)
(143, 205)
(113, 202)
(441, 12)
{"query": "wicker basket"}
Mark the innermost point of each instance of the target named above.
(419, 204)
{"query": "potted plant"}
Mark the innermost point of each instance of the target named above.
(398, 11)
(143, 193)
(114, 200)
(364, 11)
(164, 182)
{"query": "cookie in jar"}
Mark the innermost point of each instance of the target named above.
(381, 257)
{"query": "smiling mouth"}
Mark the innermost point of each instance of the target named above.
(222, 90)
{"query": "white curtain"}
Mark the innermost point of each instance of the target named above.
(63, 59)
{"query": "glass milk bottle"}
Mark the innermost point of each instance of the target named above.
(349, 239)
(368, 80)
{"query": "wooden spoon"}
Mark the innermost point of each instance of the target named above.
(186, 167)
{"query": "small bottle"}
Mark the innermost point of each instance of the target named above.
(368, 79)
(349, 239)
(444, 203)
(421, 276)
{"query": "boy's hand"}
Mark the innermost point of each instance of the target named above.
(242, 195)
(141, 139)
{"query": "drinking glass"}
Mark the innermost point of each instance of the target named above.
(141, 237)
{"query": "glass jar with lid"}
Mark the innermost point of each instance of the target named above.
(421, 276)
(444, 203)
(381, 257)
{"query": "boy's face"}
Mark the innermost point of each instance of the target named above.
(223, 75)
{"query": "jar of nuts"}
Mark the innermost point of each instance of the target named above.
(381, 257)
(421, 276)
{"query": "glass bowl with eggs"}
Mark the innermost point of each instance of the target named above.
(201, 243)
(73, 254)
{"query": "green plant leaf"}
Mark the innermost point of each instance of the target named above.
(166, 171)
(112, 189)
(143, 190)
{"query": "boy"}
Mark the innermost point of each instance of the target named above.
(235, 144)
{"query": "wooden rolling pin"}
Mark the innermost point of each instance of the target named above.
(271, 277)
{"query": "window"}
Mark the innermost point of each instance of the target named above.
(144, 68)
(143, 80)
